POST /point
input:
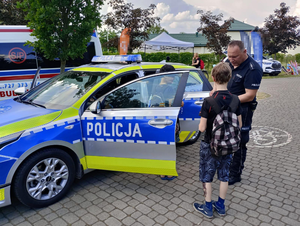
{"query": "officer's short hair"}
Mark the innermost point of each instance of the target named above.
(221, 73)
(238, 43)
(166, 68)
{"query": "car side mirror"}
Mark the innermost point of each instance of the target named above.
(20, 91)
(95, 107)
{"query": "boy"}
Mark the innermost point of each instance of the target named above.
(209, 164)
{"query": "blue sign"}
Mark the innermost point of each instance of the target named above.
(257, 47)
(246, 41)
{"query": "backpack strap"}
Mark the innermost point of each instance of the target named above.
(234, 103)
(216, 107)
(214, 104)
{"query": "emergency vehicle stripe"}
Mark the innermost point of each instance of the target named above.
(129, 118)
(92, 69)
(148, 166)
(27, 123)
(119, 71)
(190, 119)
(201, 98)
(124, 141)
(51, 125)
(76, 141)
(69, 113)
(85, 96)
(8, 157)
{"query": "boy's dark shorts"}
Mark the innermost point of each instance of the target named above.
(209, 165)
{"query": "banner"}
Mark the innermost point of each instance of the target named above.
(257, 47)
(124, 41)
(246, 41)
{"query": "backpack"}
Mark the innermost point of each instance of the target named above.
(226, 133)
(201, 64)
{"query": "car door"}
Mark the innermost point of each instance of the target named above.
(135, 128)
(197, 88)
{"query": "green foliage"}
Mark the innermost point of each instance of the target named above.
(297, 56)
(186, 58)
(106, 35)
(280, 31)
(216, 35)
(10, 14)
(124, 15)
(62, 28)
(110, 53)
(156, 29)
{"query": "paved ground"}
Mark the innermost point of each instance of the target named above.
(269, 193)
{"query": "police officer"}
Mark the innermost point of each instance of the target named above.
(245, 81)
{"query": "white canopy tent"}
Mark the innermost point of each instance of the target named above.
(165, 41)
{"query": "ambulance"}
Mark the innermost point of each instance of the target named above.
(106, 115)
(19, 63)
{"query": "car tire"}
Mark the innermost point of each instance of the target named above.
(44, 178)
(193, 139)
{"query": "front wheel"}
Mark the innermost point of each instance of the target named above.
(44, 178)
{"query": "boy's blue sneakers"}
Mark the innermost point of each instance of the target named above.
(203, 209)
(220, 211)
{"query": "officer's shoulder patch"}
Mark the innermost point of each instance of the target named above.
(251, 66)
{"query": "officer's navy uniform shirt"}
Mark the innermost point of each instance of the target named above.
(247, 75)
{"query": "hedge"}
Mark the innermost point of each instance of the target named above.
(209, 58)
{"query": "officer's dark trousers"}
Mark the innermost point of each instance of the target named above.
(239, 156)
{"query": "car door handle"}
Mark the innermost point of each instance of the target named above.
(160, 122)
(198, 102)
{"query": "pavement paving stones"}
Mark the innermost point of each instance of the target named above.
(269, 193)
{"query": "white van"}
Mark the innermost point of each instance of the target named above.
(19, 63)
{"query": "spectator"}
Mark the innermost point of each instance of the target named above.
(209, 164)
(196, 60)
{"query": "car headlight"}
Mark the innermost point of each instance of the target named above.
(9, 139)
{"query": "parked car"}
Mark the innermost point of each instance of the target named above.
(103, 115)
(271, 67)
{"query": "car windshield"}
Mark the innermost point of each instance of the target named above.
(63, 90)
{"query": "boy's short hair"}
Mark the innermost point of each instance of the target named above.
(221, 72)
(166, 68)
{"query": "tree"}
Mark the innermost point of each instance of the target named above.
(125, 16)
(216, 35)
(105, 36)
(62, 28)
(280, 31)
(156, 29)
(10, 14)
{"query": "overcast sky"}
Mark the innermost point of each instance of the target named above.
(181, 15)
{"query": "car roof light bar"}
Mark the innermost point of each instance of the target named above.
(117, 58)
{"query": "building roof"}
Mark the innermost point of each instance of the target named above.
(191, 37)
(240, 26)
(199, 40)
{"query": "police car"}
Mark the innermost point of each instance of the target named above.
(106, 115)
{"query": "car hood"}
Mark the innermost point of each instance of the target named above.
(14, 113)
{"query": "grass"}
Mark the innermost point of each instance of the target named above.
(281, 75)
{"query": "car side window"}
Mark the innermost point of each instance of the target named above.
(158, 91)
(194, 83)
(17, 56)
